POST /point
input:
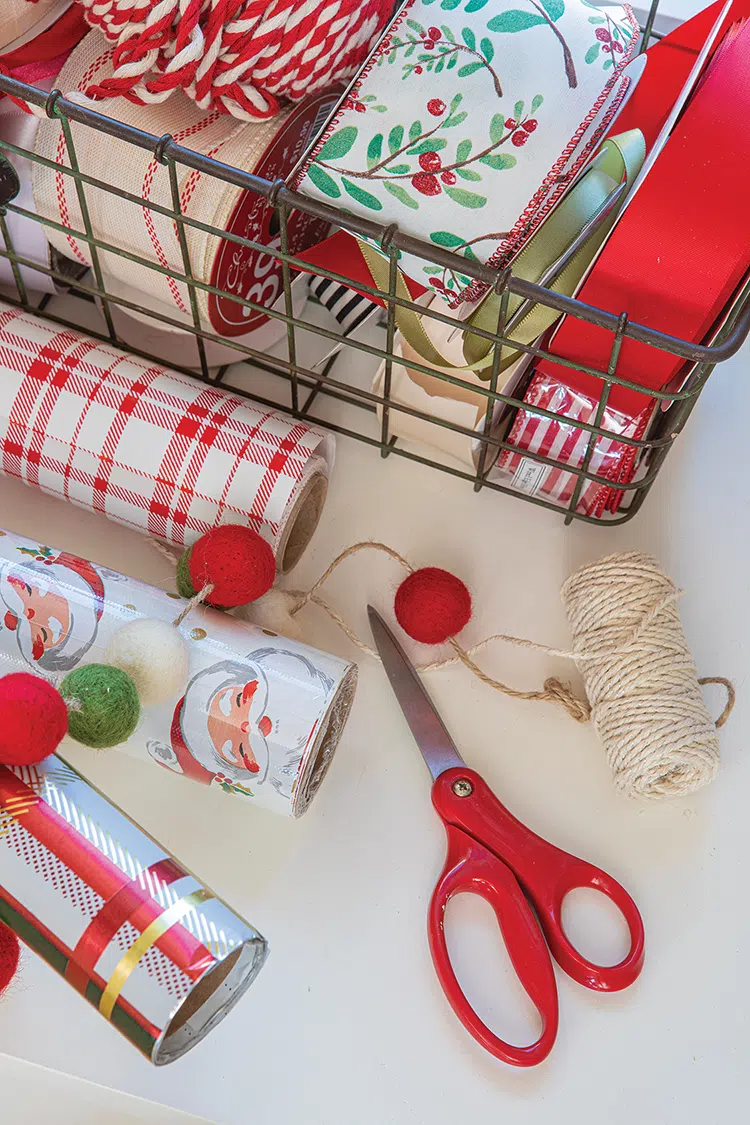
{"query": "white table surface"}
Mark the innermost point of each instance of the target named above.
(346, 1023)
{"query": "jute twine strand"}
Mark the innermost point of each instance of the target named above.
(644, 695)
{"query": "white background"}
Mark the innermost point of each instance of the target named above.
(346, 1023)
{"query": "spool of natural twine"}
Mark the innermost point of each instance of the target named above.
(643, 692)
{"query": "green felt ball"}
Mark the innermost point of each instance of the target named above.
(185, 586)
(103, 705)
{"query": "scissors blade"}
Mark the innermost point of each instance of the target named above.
(437, 746)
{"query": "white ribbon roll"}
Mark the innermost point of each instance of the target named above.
(268, 148)
(24, 19)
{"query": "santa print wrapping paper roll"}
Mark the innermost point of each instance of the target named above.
(115, 915)
(268, 148)
(148, 447)
(260, 716)
(469, 121)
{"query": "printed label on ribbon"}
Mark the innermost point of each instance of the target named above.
(250, 273)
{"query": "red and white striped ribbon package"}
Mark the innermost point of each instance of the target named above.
(148, 447)
(566, 443)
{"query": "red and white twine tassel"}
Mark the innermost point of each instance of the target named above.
(237, 56)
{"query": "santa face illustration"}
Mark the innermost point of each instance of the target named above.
(220, 726)
(53, 604)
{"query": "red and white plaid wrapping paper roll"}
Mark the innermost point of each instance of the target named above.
(148, 447)
(115, 915)
(567, 443)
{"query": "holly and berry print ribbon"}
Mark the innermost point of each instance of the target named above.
(468, 123)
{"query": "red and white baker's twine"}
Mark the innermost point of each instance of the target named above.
(237, 56)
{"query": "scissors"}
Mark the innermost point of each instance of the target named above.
(523, 877)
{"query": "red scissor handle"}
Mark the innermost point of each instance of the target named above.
(546, 874)
(471, 868)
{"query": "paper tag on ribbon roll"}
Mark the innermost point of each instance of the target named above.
(269, 149)
(468, 123)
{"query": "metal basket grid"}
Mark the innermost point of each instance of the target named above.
(298, 387)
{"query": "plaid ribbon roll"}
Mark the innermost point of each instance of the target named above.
(160, 957)
(149, 448)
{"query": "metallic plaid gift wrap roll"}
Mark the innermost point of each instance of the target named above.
(113, 913)
(259, 716)
(148, 447)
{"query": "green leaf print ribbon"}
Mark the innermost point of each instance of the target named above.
(557, 256)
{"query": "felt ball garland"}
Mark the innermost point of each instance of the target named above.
(432, 605)
(104, 705)
(154, 655)
(231, 564)
(10, 955)
(33, 719)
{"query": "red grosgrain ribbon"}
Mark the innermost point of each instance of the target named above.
(682, 247)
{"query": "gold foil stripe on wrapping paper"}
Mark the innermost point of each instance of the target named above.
(141, 946)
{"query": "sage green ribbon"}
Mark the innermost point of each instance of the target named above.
(591, 205)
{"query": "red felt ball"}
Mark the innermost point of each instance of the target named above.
(237, 561)
(432, 605)
(33, 719)
(10, 953)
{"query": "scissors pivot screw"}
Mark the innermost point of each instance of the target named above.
(462, 787)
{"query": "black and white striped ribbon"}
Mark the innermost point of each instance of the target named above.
(349, 308)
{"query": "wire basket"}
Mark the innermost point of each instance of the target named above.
(297, 379)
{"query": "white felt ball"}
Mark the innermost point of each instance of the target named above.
(274, 611)
(154, 654)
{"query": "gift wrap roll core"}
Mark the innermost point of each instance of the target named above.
(150, 448)
(260, 716)
(267, 148)
(113, 913)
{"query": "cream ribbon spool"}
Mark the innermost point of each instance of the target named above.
(23, 20)
(140, 230)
